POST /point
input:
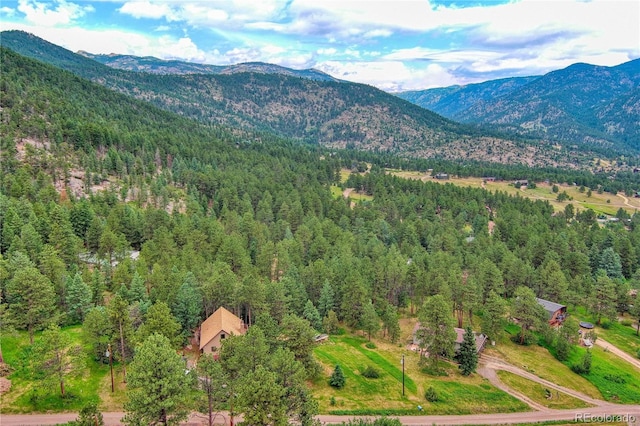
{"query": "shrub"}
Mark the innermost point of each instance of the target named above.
(370, 345)
(370, 373)
(615, 378)
(626, 322)
(431, 395)
(606, 324)
(337, 379)
(585, 366)
(332, 401)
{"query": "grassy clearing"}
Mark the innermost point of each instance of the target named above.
(27, 395)
(616, 380)
(538, 393)
(604, 203)
(383, 396)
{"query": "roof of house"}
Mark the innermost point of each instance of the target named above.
(480, 338)
(220, 320)
(550, 307)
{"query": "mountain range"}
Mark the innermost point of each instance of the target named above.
(268, 98)
(581, 104)
(153, 65)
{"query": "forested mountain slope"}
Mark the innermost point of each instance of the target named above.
(582, 104)
(453, 100)
(153, 65)
(329, 113)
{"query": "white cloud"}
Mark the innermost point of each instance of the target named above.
(7, 11)
(49, 14)
(389, 75)
(147, 9)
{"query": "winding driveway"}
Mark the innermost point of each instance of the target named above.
(618, 352)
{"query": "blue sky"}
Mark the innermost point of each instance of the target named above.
(392, 44)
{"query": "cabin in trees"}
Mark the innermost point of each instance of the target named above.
(481, 340)
(220, 325)
(556, 312)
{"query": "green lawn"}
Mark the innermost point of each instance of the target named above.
(26, 395)
(615, 379)
(457, 394)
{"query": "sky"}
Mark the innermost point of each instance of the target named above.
(395, 45)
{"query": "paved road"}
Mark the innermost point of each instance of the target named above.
(632, 413)
(618, 352)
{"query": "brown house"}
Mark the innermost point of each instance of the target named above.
(220, 325)
(556, 312)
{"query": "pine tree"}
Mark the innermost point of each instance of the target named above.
(158, 390)
(56, 357)
(310, 313)
(337, 379)
(493, 318)
(77, 298)
(31, 300)
(370, 321)
(327, 299)
(187, 306)
(468, 356)
(436, 333)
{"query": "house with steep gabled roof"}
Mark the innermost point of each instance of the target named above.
(220, 325)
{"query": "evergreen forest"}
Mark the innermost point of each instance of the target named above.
(131, 225)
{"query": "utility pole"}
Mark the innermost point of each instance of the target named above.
(402, 362)
(110, 355)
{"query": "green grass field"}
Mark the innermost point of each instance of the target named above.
(537, 392)
(26, 395)
(615, 379)
(360, 396)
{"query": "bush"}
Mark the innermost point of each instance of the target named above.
(606, 324)
(626, 322)
(431, 395)
(585, 366)
(370, 345)
(371, 373)
(529, 339)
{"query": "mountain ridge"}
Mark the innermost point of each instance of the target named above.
(571, 105)
(155, 65)
(333, 114)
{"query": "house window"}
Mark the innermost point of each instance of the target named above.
(213, 348)
(222, 336)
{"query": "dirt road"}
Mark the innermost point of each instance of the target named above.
(618, 352)
(489, 365)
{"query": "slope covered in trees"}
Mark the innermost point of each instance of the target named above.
(249, 223)
(335, 114)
